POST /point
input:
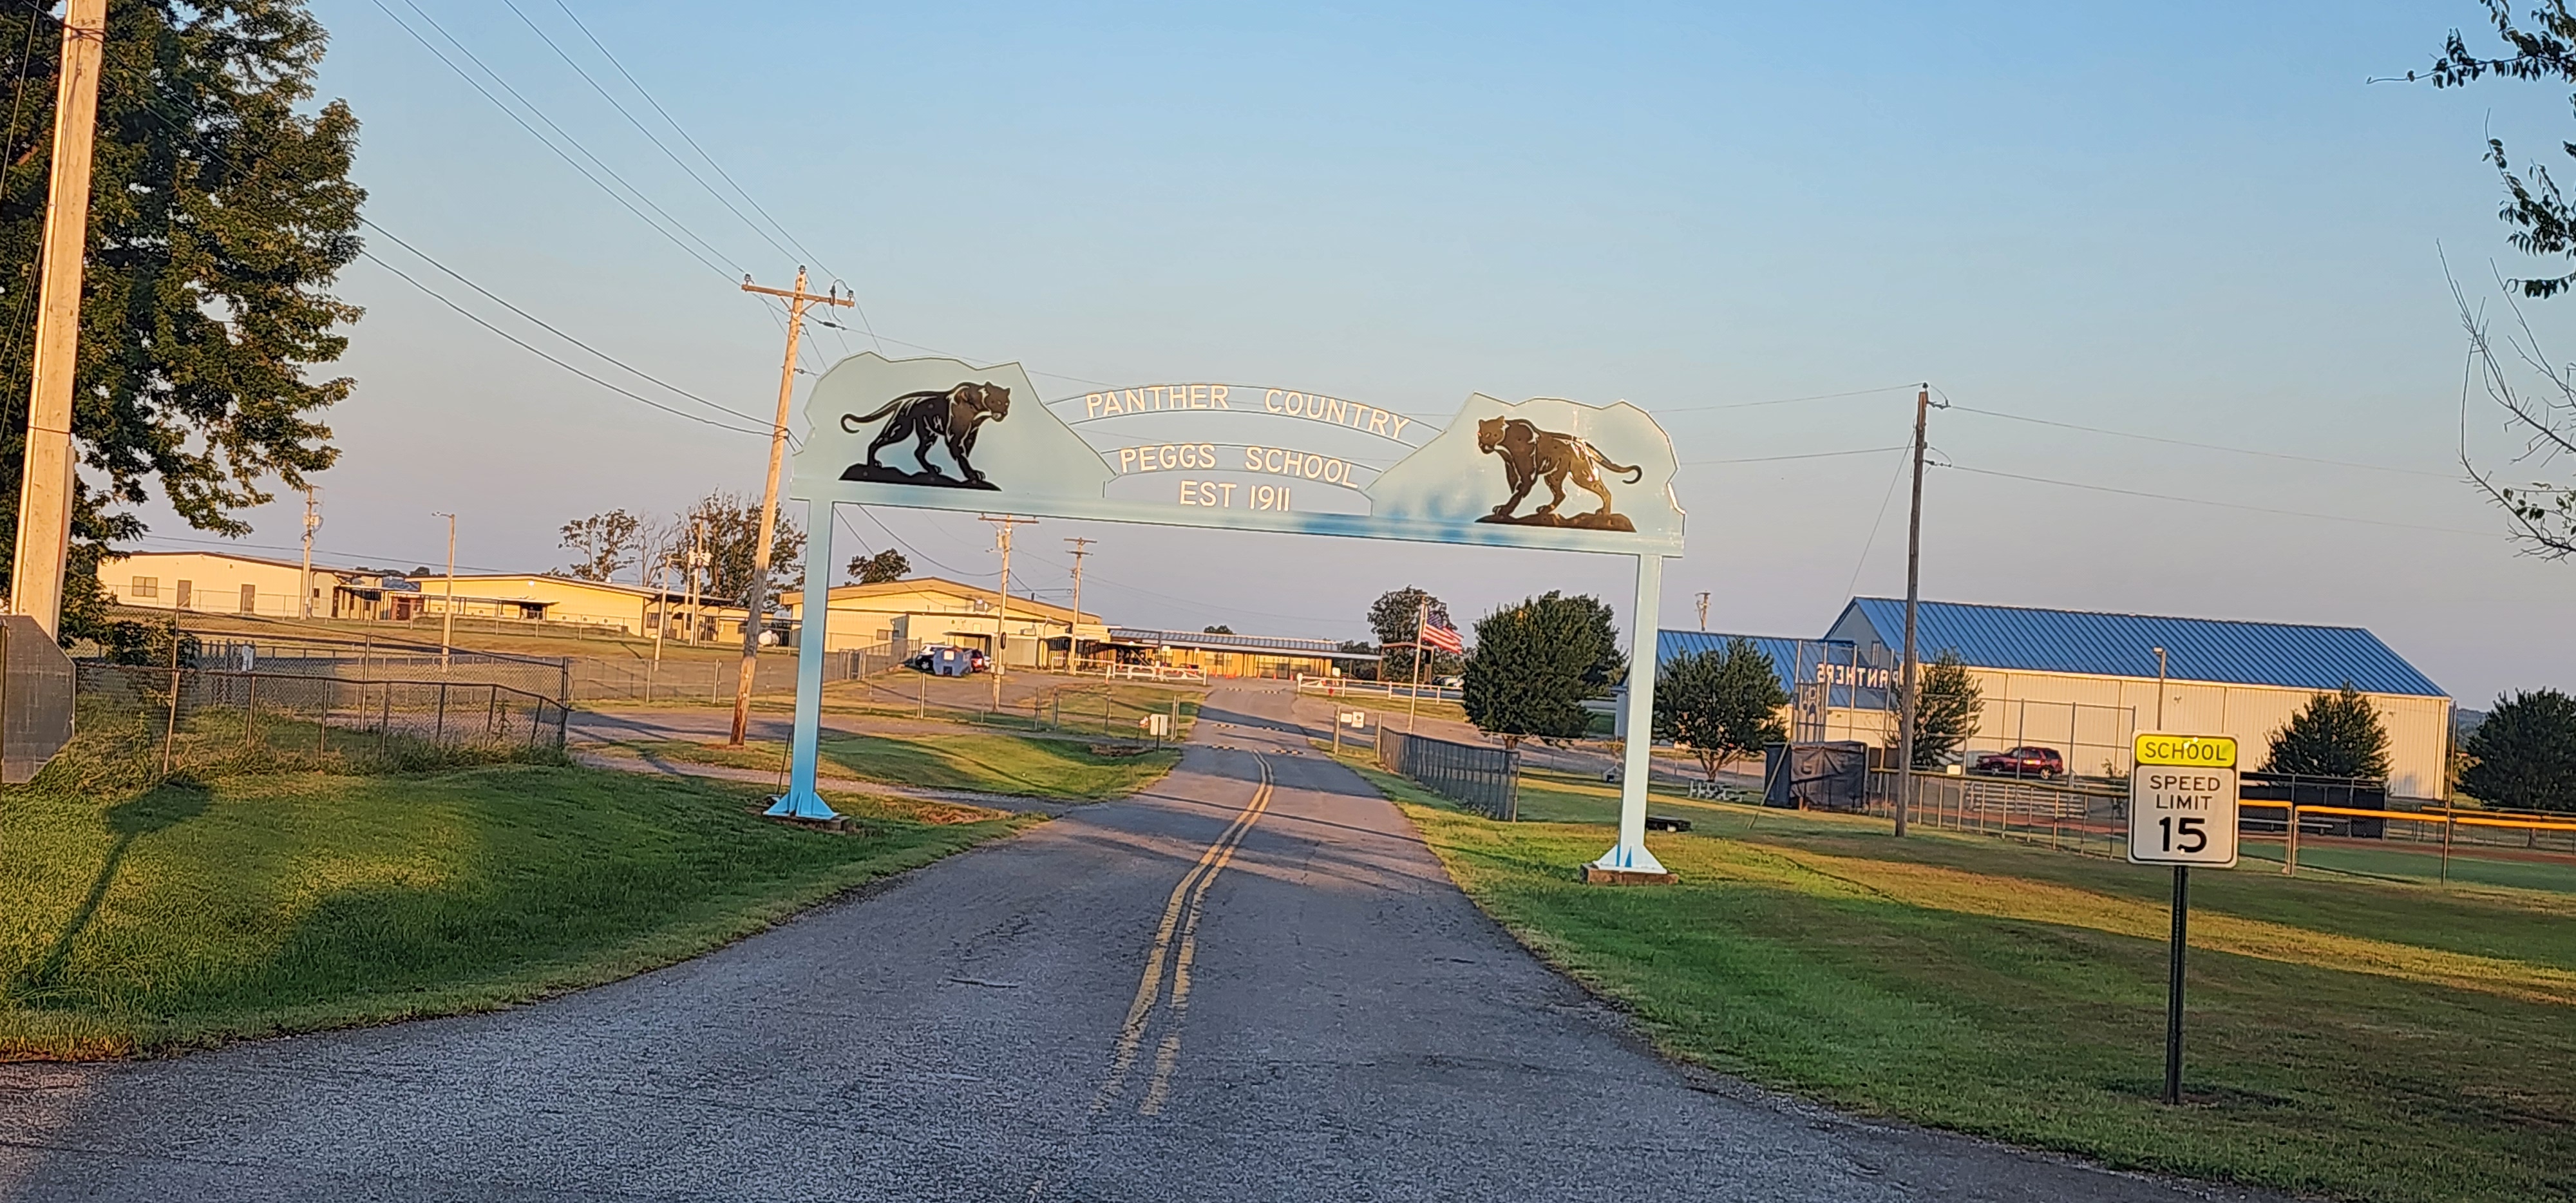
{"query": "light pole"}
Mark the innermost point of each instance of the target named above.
(2160, 689)
(447, 621)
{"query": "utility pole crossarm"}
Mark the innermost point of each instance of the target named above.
(798, 293)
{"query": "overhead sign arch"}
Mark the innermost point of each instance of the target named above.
(940, 433)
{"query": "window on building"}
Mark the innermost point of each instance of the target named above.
(147, 586)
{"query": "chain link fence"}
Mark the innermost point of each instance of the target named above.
(1486, 779)
(138, 720)
(571, 679)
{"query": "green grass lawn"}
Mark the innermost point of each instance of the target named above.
(2347, 1037)
(983, 761)
(149, 919)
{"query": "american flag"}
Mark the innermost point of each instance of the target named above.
(1436, 632)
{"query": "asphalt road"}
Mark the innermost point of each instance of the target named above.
(1253, 983)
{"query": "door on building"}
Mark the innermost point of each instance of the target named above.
(185, 589)
(250, 599)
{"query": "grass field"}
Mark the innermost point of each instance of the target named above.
(2347, 1037)
(194, 912)
(986, 762)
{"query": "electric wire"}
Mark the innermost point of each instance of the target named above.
(808, 256)
(549, 327)
(2204, 446)
(1869, 544)
(1859, 392)
(565, 134)
(540, 353)
(649, 135)
(549, 144)
(2228, 505)
(1771, 459)
(676, 127)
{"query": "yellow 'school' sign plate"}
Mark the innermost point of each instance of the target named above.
(2188, 751)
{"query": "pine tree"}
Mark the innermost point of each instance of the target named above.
(2335, 735)
(2523, 757)
(220, 216)
(1724, 704)
(1953, 707)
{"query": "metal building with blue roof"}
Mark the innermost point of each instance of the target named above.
(2085, 682)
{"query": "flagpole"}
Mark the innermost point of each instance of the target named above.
(1421, 619)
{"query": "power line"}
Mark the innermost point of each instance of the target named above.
(1771, 459)
(676, 127)
(649, 135)
(2204, 446)
(532, 349)
(1885, 499)
(549, 328)
(513, 114)
(2229, 505)
(1859, 392)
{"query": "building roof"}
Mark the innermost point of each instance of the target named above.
(1271, 645)
(1792, 660)
(940, 584)
(2281, 654)
(218, 554)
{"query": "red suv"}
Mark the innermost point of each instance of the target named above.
(2021, 762)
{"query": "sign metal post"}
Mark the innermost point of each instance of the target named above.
(2182, 812)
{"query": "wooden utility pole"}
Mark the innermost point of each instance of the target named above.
(1002, 616)
(447, 622)
(1913, 593)
(45, 480)
(1073, 639)
(756, 603)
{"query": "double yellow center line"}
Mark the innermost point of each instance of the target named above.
(1176, 942)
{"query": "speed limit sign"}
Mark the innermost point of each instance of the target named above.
(2182, 801)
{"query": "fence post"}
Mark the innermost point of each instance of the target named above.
(2290, 862)
(250, 710)
(385, 723)
(438, 736)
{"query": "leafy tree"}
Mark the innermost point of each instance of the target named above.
(220, 216)
(731, 524)
(1394, 618)
(1359, 670)
(607, 542)
(2539, 47)
(878, 569)
(1218, 629)
(1724, 704)
(2335, 735)
(1952, 708)
(2523, 756)
(1533, 668)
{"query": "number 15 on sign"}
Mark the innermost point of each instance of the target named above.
(2182, 801)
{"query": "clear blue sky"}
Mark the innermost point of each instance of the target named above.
(2189, 220)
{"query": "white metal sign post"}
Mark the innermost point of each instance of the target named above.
(2182, 812)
